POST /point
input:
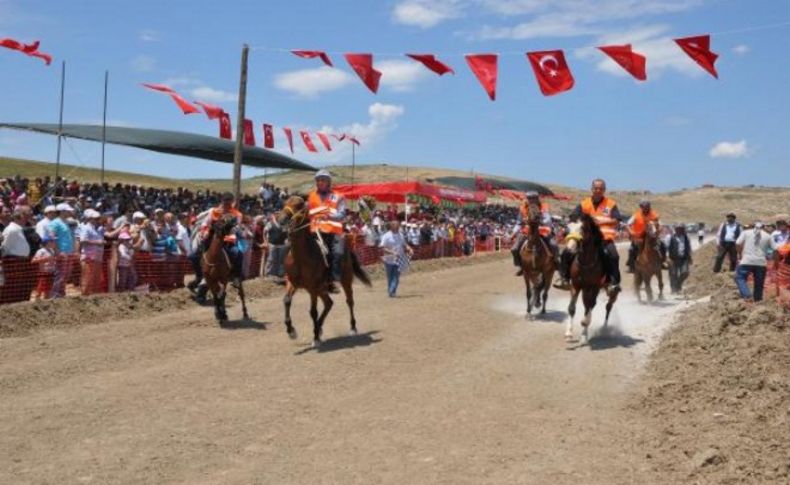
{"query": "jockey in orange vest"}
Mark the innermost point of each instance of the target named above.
(607, 216)
(327, 212)
(546, 228)
(637, 227)
(227, 206)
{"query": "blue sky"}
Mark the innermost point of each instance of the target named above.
(681, 128)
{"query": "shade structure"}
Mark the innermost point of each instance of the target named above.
(397, 192)
(170, 142)
(480, 183)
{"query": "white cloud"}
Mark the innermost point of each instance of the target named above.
(652, 41)
(426, 13)
(143, 63)
(401, 75)
(730, 149)
(176, 82)
(211, 95)
(741, 49)
(570, 18)
(310, 83)
(148, 35)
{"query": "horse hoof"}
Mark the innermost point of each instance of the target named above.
(568, 337)
(292, 334)
(316, 343)
(246, 316)
(353, 332)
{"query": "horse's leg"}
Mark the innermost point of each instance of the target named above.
(223, 295)
(571, 313)
(638, 284)
(609, 305)
(289, 293)
(538, 289)
(217, 311)
(348, 289)
(240, 289)
(547, 277)
(660, 284)
(314, 317)
(327, 300)
(649, 288)
(588, 297)
(529, 293)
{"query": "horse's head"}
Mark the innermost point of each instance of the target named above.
(294, 212)
(652, 230)
(591, 233)
(224, 225)
(534, 211)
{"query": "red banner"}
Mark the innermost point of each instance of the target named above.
(289, 135)
(249, 133)
(268, 136)
(324, 141)
(308, 143)
(484, 67)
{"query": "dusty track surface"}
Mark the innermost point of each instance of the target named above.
(447, 384)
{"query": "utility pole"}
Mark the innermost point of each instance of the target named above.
(104, 124)
(238, 154)
(353, 162)
(60, 119)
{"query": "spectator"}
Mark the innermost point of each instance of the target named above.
(60, 231)
(395, 248)
(701, 235)
(782, 233)
(50, 212)
(46, 259)
(752, 246)
(275, 241)
(91, 253)
(14, 244)
(127, 277)
(679, 258)
(728, 234)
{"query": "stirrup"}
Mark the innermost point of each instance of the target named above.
(332, 288)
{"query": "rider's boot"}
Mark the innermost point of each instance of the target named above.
(566, 259)
(631, 259)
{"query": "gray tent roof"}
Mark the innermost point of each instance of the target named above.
(472, 183)
(171, 142)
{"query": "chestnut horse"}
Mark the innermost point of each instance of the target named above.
(588, 276)
(306, 267)
(217, 267)
(537, 263)
(648, 264)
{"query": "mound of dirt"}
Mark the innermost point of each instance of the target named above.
(703, 281)
(20, 319)
(716, 397)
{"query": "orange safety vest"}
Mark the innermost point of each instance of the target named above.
(319, 209)
(544, 231)
(639, 225)
(215, 215)
(602, 216)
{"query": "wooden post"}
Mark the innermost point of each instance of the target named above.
(237, 155)
(60, 119)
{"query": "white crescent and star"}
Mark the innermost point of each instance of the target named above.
(545, 60)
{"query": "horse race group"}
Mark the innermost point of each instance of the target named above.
(319, 256)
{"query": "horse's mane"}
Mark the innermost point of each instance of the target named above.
(595, 231)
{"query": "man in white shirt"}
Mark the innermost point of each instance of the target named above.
(42, 227)
(394, 246)
(728, 234)
(14, 243)
(752, 246)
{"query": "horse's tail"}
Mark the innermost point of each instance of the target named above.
(359, 271)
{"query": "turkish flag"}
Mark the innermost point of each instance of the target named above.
(225, 130)
(362, 64)
(484, 66)
(289, 135)
(308, 142)
(551, 71)
(159, 87)
(29, 49)
(268, 136)
(249, 133)
(698, 48)
(339, 138)
(313, 54)
(432, 63)
(324, 141)
(353, 140)
(213, 112)
(629, 60)
(186, 107)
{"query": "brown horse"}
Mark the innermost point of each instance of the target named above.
(306, 267)
(537, 263)
(648, 264)
(217, 268)
(588, 276)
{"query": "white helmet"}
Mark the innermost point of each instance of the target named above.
(323, 173)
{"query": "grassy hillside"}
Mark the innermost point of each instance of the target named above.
(693, 205)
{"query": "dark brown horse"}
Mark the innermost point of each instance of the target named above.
(648, 264)
(537, 263)
(588, 276)
(217, 267)
(306, 267)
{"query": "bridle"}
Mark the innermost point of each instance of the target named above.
(295, 216)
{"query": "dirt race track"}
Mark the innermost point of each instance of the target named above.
(448, 383)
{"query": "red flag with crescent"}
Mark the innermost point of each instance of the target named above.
(551, 71)
(225, 130)
(268, 135)
(308, 142)
(484, 67)
(324, 141)
(431, 62)
(249, 133)
(213, 112)
(313, 54)
(289, 135)
(698, 48)
(362, 64)
(632, 62)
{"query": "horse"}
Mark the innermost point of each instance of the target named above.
(648, 263)
(588, 276)
(306, 267)
(537, 263)
(217, 267)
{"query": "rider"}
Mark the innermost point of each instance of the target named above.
(327, 211)
(227, 206)
(607, 216)
(637, 226)
(546, 228)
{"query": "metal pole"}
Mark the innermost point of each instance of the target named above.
(353, 161)
(104, 124)
(237, 156)
(60, 119)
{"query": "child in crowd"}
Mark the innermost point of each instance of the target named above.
(45, 258)
(126, 274)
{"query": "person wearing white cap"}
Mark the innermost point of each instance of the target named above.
(60, 231)
(327, 212)
(50, 212)
(91, 252)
